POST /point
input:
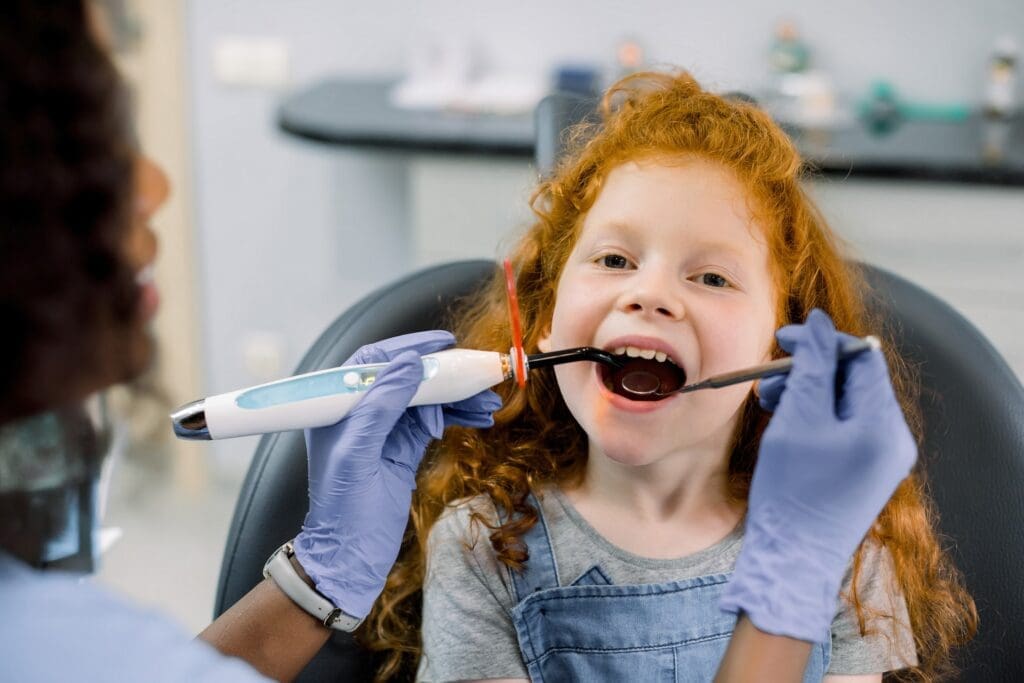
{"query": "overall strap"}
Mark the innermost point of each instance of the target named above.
(540, 571)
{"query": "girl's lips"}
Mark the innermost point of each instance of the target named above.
(624, 404)
(149, 296)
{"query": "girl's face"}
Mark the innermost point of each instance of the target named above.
(669, 260)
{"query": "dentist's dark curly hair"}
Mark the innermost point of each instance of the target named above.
(67, 293)
(535, 441)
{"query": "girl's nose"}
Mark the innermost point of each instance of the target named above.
(655, 294)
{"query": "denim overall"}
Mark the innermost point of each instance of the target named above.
(593, 630)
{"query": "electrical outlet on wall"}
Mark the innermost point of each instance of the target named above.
(256, 61)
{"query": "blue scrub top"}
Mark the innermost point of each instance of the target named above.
(58, 627)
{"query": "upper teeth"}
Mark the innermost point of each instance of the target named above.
(145, 276)
(634, 352)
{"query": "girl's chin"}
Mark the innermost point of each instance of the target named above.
(149, 301)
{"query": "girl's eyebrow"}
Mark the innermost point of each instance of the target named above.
(718, 247)
(617, 225)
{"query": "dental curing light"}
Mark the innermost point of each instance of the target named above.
(322, 398)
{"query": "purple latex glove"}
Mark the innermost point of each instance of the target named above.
(362, 472)
(829, 461)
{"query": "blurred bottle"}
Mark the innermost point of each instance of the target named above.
(629, 57)
(1002, 76)
(881, 110)
(799, 95)
(995, 140)
(788, 54)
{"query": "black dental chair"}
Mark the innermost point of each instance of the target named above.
(973, 450)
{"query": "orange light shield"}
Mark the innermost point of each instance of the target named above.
(518, 354)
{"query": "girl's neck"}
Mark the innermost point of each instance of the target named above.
(667, 509)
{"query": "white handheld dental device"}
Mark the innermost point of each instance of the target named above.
(321, 398)
(318, 399)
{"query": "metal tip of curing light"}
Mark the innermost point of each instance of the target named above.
(189, 421)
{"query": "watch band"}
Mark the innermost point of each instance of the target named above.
(279, 568)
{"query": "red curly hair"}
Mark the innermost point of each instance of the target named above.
(536, 441)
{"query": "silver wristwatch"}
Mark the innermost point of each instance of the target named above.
(279, 568)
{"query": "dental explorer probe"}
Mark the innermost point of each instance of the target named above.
(640, 383)
(324, 397)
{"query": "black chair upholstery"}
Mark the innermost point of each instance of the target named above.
(973, 452)
(552, 119)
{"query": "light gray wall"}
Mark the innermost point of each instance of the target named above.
(289, 233)
(929, 48)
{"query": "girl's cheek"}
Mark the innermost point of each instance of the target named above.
(732, 347)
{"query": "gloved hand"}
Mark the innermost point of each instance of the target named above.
(362, 472)
(829, 461)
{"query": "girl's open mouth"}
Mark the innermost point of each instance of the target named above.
(651, 379)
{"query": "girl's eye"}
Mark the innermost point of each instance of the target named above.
(614, 261)
(712, 280)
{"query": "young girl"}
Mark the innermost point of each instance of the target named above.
(677, 236)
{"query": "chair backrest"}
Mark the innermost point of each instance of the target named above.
(973, 456)
(273, 499)
(553, 117)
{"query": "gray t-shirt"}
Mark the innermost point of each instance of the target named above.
(467, 599)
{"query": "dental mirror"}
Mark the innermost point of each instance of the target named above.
(641, 383)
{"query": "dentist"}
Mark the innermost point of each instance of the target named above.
(76, 248)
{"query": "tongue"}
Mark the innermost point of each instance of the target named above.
(649, 379)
